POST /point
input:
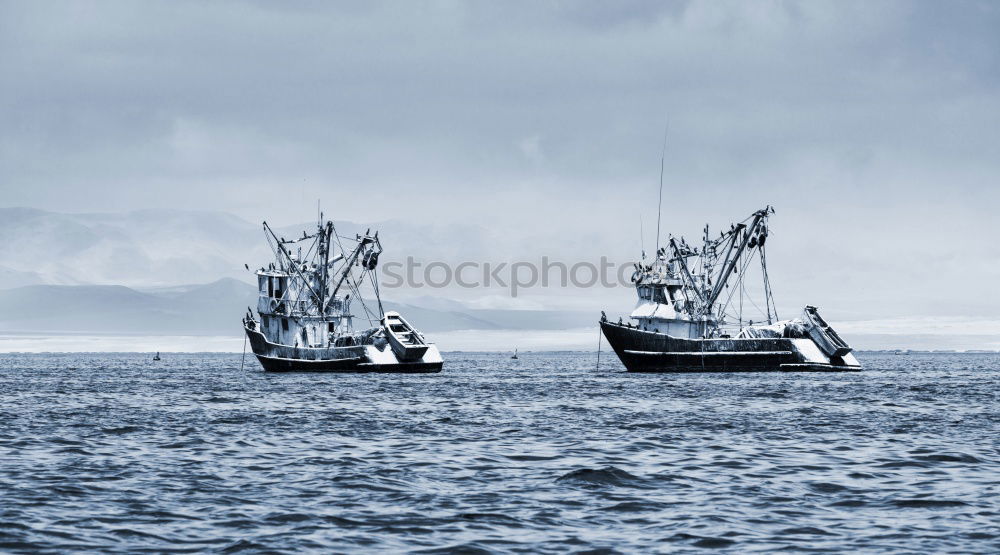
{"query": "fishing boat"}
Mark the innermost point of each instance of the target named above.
(156, 356)
(692, 312)
(305, 303)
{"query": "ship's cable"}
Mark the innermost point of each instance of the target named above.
(244, 359)
(599, 333)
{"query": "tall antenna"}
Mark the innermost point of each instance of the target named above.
(659, 205)
(642, 242)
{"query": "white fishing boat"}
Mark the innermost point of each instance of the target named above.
(305, 302)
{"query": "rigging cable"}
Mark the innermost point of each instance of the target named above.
(741, 277)
(374, 279)
(767, 284)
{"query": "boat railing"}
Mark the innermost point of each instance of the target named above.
(287, 307)
(299, 306)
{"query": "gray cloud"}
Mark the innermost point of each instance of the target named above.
(873, 127)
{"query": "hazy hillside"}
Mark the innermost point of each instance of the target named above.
(173, 247)
(212, 309)
(130, 272)
(203, 310)
(133, 248)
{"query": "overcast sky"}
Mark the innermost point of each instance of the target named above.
(872, 127)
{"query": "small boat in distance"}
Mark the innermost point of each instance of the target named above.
(156, 356)
(515, 354)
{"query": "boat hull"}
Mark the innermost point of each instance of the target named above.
(650, 351)
(406, 352)
(274, 357)
(404, 340)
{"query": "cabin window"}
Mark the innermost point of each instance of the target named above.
(652, 293)
(331, 327)
(270, 286)
(658, 296)
(284, 324)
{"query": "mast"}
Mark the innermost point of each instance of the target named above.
(642, 242)
(734, 233)
(684, 267)
(724, 276)
(324, 237)
(659, 205)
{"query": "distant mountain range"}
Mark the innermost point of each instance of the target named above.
(131, 273)
(151, 247)
(215, 309)
(176, 247)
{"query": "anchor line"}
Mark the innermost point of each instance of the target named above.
(598, 347)
(243, 360)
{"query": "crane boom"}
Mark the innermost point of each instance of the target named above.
(731, 262)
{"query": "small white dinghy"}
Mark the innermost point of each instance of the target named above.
(405, 341)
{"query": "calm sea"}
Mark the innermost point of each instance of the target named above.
(115, 452)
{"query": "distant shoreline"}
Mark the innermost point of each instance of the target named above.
(577, 340)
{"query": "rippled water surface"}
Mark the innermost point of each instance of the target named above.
(115, 452)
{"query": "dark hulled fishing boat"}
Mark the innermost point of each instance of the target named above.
(305, 302)
(689, 317)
